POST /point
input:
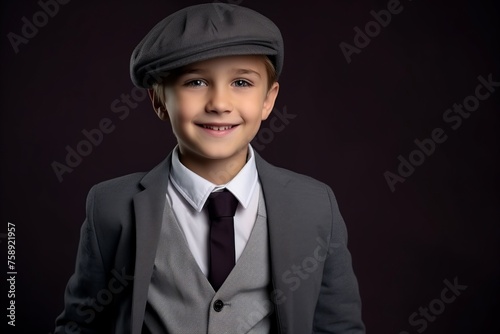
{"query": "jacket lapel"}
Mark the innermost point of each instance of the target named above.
(148, 205)
(281, 237)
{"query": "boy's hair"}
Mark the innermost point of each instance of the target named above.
(159, 87)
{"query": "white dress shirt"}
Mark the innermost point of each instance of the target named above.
(187, 193)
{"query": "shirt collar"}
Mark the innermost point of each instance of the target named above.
(196, 189)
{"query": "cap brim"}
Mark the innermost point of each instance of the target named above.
(155, 71)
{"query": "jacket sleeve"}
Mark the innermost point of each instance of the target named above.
(338, 310)
(86, 299)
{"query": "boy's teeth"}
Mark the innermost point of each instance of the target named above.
(218, 128)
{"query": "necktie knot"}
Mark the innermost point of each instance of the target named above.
(221, 204)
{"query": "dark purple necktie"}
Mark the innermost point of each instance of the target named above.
(221, 208)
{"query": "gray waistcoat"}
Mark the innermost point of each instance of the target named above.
(182, 301)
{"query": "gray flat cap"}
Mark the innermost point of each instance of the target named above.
(203, 32)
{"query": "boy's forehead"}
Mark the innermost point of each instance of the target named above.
(228, 65)
(203, 32)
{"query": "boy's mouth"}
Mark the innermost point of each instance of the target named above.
(217, 127)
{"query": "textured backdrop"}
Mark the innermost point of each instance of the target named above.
(394, 104)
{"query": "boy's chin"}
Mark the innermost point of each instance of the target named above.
(227, 154)
(221, 153)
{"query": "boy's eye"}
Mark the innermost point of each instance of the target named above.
(195, 83)
(242, 83)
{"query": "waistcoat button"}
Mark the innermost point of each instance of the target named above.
(218, 305)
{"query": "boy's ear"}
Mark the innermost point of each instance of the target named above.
(158, 106)
(271, 96)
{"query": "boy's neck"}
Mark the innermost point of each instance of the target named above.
(217, 171)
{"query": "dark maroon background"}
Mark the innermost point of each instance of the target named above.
(353, 120)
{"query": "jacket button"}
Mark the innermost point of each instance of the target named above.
(218, 305)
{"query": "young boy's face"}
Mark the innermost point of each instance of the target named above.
(216, 106)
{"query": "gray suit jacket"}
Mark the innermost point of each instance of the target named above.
(314, 287)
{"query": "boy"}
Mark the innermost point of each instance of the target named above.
(214, 239)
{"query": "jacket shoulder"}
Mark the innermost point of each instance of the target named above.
(302, 179)
(295, 183)
(113, 198)
(123, 184)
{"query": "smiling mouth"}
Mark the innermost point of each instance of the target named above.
(217, 128)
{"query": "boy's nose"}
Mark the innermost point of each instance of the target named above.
(219, 101)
